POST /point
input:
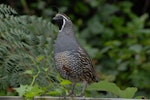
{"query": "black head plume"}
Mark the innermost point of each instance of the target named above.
(55, 9)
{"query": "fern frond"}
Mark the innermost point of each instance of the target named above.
(22, 40)
(5, 9)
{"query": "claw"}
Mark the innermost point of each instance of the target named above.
(71, 93)
(81, 95)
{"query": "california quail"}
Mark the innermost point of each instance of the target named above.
(72, 61)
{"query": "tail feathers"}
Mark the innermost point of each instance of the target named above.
(96, 79)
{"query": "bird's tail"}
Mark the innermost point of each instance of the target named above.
(96, 79)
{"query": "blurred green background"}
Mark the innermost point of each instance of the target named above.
(115, 33)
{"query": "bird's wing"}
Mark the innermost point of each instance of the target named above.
(88, 69)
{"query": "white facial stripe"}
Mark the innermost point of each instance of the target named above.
(64, 22)
(63, 16)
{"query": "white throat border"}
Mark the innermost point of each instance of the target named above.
(64, 22)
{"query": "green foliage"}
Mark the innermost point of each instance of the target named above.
(4, 9)
(118, 41)
(30, 91)
(26, 45)
(112, 88)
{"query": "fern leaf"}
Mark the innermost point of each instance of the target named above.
(5, 9)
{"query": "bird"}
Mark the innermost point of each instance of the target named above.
(71, 59)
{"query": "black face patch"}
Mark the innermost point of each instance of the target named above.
(59, 21)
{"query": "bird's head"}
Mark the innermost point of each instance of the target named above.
(61, 20)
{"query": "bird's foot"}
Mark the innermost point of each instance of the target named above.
(81, 95)
(71, 94)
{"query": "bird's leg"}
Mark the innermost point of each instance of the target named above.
(72, 89)
(83, 89)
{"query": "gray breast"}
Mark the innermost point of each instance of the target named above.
(65, 43)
